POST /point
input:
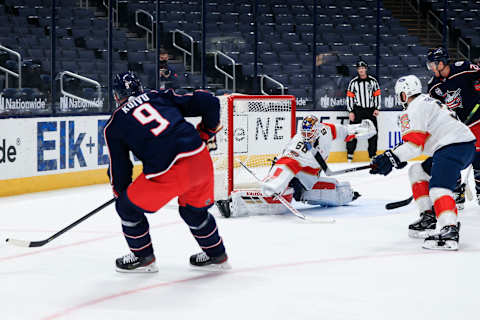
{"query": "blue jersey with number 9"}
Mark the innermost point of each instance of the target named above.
(153, 127)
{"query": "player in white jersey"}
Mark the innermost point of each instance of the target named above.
(428, 127)
(296, 174)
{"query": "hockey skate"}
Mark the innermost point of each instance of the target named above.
(203, 261)
(356, 195)
(446, 239)
(424, 226)
(459, 194)
(132, 264)
(224, 207)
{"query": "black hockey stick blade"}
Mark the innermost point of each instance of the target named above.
(33, 244)
(398, 204)
(329, 172)
(334, 173)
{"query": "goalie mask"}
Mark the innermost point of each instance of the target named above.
(310, 128)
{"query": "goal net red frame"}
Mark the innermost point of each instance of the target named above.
(256, 128)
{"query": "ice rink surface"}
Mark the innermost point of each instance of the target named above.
(362, 267)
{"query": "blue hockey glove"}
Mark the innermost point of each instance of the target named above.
(383, 163)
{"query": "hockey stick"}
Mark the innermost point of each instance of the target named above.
(402, 203)
(287, 204)
(398, 204)
(32, 244)
(329, 172)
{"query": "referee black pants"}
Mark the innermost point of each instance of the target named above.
(361, 114)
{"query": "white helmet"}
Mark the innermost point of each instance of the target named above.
(411, 85)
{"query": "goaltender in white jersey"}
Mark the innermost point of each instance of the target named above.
(296, 173)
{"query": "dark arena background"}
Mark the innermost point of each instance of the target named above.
(56, 57)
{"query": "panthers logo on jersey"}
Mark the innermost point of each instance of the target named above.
(404, 122)
(453, 99)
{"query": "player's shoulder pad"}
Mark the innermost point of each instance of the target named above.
(459, 66)
(432, 82)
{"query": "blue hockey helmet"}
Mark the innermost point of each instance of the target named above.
(126, 84)
(437, 54)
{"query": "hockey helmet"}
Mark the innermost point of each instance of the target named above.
(310, 128)
(126, 84)
(411, 85)
(435, 55)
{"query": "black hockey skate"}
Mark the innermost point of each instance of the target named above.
(356, 195)
(134, 264)
(224, 207)
(446, 239)
(424, 226)
(459, 194)
(203, 261)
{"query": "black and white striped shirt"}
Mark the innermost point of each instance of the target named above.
(364, 93)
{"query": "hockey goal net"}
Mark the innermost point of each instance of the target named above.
(256, 129)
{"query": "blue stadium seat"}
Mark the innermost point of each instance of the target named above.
(70, 66)
(412, 61)
(10, 93)
(66, 43)
(269, 58)
(95, 43)
(70, 54)
(279, 47)
(136, 45)
(298, 93)
(86, 55)
(272, 68)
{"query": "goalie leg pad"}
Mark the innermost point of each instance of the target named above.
(252, 202)
(277, 182)
(329, 192)
(204, 229)
(419, 180)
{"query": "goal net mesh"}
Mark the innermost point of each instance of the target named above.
(255, 130)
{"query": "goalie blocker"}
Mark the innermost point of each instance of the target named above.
(297, 172)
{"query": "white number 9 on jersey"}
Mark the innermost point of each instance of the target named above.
(145, 114)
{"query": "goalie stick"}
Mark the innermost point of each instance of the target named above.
(32, 244)
(329, 172)
(287, 204)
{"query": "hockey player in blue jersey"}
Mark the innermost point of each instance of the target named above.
(457, 85)
(176, 162)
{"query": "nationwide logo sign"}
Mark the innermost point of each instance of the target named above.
(67, 104)
(8, 104)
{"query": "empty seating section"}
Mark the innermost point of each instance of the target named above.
(346, 32)
(463, 15)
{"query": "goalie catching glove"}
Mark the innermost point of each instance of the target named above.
(209, 135)
(364, 130)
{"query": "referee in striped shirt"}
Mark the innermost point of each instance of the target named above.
(363, 102)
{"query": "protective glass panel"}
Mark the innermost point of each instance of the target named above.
(24, 58)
